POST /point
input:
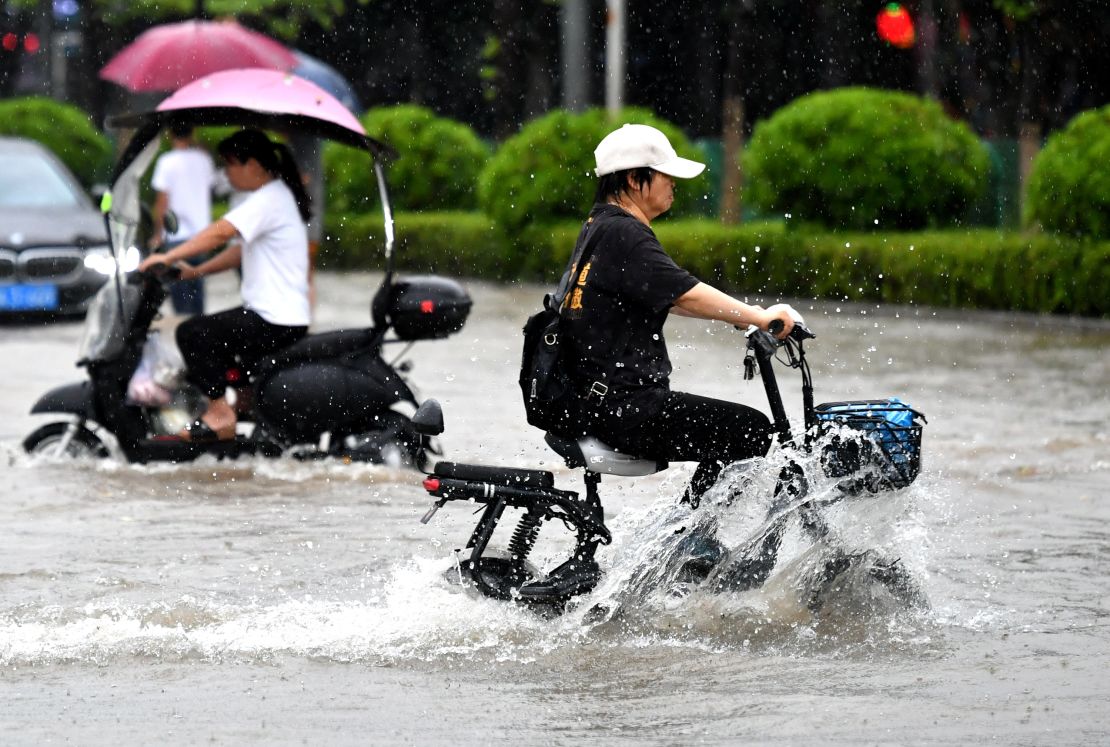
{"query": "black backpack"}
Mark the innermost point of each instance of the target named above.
(551, 399)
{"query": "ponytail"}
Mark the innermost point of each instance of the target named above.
(291, 175)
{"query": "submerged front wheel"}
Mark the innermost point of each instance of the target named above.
(65, 439)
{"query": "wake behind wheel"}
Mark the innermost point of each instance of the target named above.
(55, 440)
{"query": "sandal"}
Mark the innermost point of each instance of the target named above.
(199, 432)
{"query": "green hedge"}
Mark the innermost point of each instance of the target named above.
(65, 130)
(450, 243)
(865, 159)
(1069, 186)
(983, 269)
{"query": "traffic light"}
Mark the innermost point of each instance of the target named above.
(895, 26)
(11, 42)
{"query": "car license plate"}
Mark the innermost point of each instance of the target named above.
(23, 297)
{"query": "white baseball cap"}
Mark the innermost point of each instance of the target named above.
(635, 146)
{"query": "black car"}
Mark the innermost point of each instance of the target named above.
(54, 251)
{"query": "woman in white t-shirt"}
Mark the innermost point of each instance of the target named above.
(273, 253)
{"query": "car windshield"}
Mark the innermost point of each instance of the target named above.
(29, 181)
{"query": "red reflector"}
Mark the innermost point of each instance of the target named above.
(427, 307)
(233, 375)
(431, 483)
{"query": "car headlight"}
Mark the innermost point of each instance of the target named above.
(100, 260)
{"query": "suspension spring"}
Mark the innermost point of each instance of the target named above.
(524, 536)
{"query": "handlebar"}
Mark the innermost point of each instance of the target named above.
(161, 271)
(799, 333)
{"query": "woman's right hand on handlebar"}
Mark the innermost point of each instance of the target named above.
(776, 315)
(151, 260)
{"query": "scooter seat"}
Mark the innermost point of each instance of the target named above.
(321, 346)
(601, 458)
(507, 476)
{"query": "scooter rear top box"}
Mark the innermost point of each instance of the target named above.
(425, 307)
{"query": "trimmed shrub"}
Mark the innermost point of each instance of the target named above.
(865, 159)
(436, 168)
(1069, 187)
(982, 269)
(545, 172)
(63, 129)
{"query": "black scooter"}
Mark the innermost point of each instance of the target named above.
(330, 394)
(866, 446)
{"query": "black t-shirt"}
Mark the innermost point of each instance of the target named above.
(614, 314)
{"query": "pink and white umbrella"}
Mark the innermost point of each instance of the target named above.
(267, 99)
(166, 57)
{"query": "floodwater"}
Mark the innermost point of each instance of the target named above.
(281, 602)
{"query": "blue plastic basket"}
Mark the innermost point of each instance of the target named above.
(890, 426)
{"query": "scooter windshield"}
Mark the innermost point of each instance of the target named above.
(124, 208)
(108, 316)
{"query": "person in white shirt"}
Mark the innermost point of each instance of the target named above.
(273, 255)
(183, 180)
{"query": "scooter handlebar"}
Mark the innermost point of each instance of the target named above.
(162, 271)
(799, 333)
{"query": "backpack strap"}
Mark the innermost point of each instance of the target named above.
(583, 248)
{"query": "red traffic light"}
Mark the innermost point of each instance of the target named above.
(10, 42)
(895, 26)
(31, 43)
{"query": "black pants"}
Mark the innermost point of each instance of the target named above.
(236, 338)
(690, 428)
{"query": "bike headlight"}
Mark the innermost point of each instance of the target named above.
(100, 259)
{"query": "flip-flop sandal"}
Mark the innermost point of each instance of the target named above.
(199, 432)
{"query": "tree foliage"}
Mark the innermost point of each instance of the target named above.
(282, 18)
(546, 171)
(863, 158)
(436, 168)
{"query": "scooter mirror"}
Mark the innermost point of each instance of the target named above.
(428, 418)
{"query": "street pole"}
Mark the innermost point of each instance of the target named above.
(44, 27)
(576, 55)
(614, 56)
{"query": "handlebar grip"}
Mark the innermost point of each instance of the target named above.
(775, 327)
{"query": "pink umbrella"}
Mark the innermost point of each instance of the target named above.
(256, 98)
(167, 57)
(267, 91)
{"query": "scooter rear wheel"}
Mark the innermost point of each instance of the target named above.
(47, 440)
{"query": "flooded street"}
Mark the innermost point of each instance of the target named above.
(283, 602)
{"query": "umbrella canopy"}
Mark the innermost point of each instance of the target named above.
(327, 77)
(169, 56)
(266, 99)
